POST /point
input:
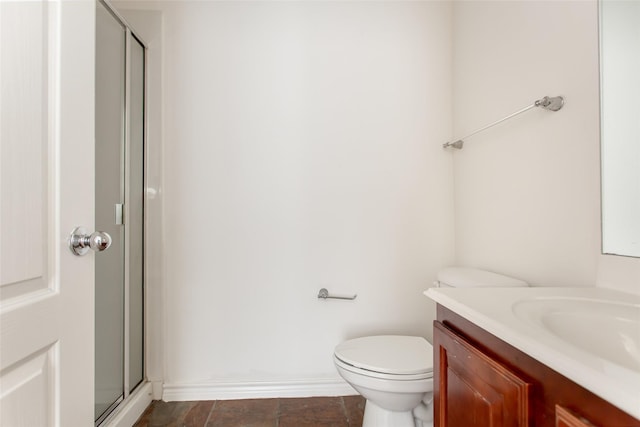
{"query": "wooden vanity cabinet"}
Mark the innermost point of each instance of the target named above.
(473, 388)
(480, 380)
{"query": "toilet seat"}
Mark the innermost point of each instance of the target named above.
(381, 376)
(387, 356)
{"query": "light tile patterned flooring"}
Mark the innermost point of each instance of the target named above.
(343, 411)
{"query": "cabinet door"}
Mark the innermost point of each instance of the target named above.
(566, 418)
(472, 389)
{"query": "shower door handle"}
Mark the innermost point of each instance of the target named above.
(80, 241)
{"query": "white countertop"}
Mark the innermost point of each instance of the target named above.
(492, 310)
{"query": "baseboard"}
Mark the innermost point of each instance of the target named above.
(257, 390)
(129, 411)
(157, 390)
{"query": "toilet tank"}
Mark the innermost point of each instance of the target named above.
(466, 277)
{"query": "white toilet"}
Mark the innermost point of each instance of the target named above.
(395, 372)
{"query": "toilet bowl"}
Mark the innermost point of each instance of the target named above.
(394, 373)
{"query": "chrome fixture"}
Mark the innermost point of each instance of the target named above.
(80, 242)
(324, 294)
(548, 103)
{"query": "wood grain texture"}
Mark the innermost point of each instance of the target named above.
(549, 387)
(474, 389)
(566, 418)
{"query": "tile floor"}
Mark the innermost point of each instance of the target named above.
(344, 411)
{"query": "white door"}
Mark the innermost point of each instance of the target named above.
(47, 188)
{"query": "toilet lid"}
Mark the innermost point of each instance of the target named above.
(389, 354)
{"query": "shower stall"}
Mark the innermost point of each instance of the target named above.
(119, 207)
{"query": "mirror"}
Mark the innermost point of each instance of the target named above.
(620, 126)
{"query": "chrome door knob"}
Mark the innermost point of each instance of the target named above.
(80, 241)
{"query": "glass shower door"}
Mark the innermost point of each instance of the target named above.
(119, 185)
(109, 186)
(135, 215)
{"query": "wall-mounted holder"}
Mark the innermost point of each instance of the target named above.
(324, 294)
(550, 103)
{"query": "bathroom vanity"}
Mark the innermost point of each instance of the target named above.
(513, 357)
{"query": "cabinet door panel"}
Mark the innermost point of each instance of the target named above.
(473, 389)
(470, 402)
(566, 418)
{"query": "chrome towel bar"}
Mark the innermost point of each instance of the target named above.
(548, 103)
(324, 294)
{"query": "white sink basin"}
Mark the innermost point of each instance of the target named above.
(609, 330)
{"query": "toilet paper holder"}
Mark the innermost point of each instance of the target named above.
(324, 294)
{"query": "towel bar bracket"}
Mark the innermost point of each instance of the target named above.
(324, 294)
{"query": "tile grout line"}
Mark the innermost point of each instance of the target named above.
(344, 410)
(213, 407)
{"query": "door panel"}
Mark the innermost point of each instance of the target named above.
(109, 183)
(119, 210)
(567, 418)
(135, 210)
(24, 133)
(46, 136)
(29, 378)
(473, 389)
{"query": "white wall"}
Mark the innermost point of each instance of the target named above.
(301, 151)
(618, 272)
(527, 191)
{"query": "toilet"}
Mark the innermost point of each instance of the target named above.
(394, 373)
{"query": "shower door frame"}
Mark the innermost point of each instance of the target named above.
(113, 412)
